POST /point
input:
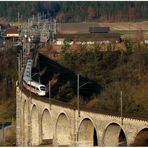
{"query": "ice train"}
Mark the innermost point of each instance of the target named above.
(30, 84)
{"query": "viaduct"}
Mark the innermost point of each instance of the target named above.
(40, 121)
(43, 122)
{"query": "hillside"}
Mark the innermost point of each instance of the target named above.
(113, 72)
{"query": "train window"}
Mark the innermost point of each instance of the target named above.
(33, 87)
(36, 88)
(42, 88)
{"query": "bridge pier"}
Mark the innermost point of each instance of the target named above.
(131, 137)
(19, 139)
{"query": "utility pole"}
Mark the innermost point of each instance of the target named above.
(29, 118)
(38, 19)
(3, 133)
(18, 19)
(121, 107)
(78, 104)
(78, 108)
(39, 72)
(30, 92)
(78, 95)
(18, 68)
(49, 95)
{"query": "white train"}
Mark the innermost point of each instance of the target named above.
(31, 85)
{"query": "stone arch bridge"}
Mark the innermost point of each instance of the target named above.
(42, 123)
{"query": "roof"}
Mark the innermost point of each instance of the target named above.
(90, 36)
(87, 35)
(12, 31)
(34, 83)
(27, 73)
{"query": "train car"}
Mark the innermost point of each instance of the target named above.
(30, 84)
(35, 87)
(27, 72)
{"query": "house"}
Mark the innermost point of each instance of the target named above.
(12, 32)
(89, 38)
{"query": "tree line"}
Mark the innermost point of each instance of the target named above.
(77, 11)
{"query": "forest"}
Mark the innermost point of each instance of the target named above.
(77, 11)
(8, 77)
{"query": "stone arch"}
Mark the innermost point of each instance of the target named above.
(34, 126)
(87, 134)
(62, 130)
(25, 124)
(114, 135)
(47, 130)
(141, 138)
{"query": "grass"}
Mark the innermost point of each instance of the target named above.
(10, 136)
(128, 31)
(7, 111)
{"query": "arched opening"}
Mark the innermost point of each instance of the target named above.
(122, 139)
(25, 124)
(34, 127)
(47, 130)
(87, 135)
(114, 136)
(62, 131)
(95, 141)
(141, 138)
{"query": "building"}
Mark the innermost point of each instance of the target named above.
(12, 32)
(95, 35)
(89, 38)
